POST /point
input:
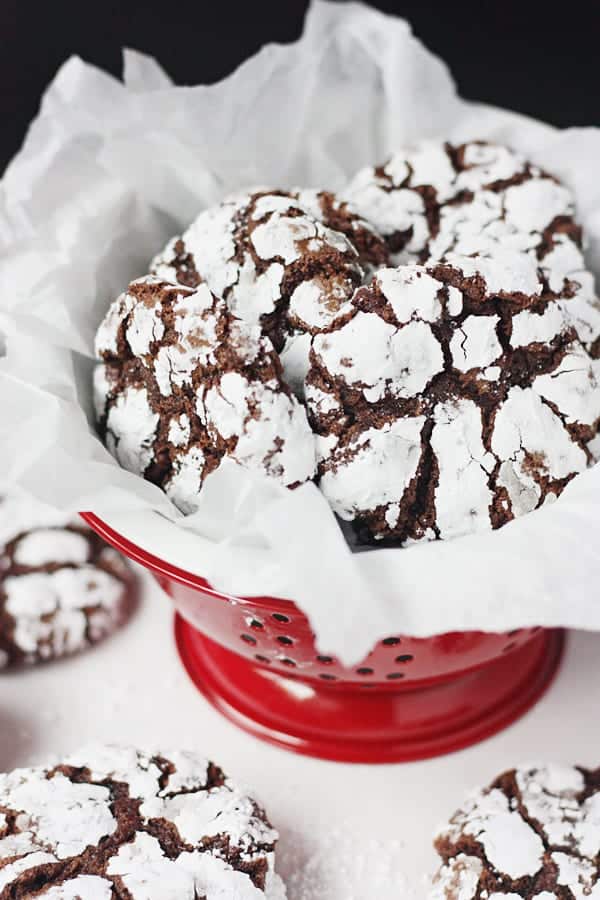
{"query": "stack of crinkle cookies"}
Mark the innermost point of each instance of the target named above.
(424, 345)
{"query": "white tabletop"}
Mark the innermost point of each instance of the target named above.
(347, 832)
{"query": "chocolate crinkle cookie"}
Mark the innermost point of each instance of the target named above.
(475, 199)
(61, 588)
(532, 835)
(114, 822)
(287, 261)
(184, 384)
(451, 399)
(444, 396)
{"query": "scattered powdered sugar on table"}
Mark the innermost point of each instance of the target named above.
(338, 865)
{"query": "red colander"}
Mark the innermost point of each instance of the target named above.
(255, 660)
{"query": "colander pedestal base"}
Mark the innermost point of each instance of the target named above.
(349, 723)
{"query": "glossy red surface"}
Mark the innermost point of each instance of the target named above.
(347, 723)
(255, 660)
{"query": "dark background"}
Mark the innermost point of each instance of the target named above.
(539, 58)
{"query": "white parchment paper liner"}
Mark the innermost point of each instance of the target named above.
(109, 171)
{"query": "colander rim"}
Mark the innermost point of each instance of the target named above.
(167, 570)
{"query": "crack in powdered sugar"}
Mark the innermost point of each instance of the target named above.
(456, 397)
(184, 384)
(479, 199)
(533, 834)
(287, 261)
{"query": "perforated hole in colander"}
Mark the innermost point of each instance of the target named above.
(391, 641)
(364, 670)
(404, 658)
(325, 660)
(262, 659)
(288, 662)
(395, 676)
(279, 617)
(256, 624)
(286, 641)
(248, 639)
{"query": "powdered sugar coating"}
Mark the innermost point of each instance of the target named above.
(54, 813)
(463, 496)
(456, 397)
(460, 188)
(509, 843)
(458, 879)
(374, 469)
(531, 441)
(380, 358)
(198, 385)
(288, 262)
(61, 588)
(83, 887)
(435, 199)
(48, 545)
(533, 834)
(131, 425)
(161, 826)
(390, 196)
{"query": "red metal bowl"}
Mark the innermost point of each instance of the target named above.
(255, 660)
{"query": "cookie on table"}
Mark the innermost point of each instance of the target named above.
(533, 834)
(479, 198)
(183, 385)
(115, 822)
(287, 261)
(61, 588)
(452, 399)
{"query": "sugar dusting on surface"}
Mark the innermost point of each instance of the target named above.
(341, 865)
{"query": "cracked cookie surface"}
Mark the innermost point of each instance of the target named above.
(533, 834)
(479, 198)
(287, 261)
(61, 588)
(115, 822)
(454, 398)
(184, 384)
